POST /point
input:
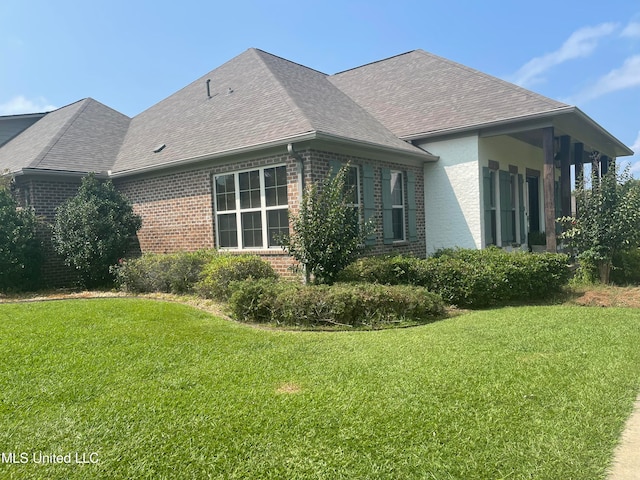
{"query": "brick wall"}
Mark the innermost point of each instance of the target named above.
(44, 196)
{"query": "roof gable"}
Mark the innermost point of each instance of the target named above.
(84, 136)
(418, 92)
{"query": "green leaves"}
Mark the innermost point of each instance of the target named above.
(93, 229)
(327, 231)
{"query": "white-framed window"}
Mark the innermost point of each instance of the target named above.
(352, 185)
(397, 206)
(251, 208)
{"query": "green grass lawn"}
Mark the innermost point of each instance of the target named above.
(160, 390)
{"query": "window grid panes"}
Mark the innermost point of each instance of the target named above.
(251, 208)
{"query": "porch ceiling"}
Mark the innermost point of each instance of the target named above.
(572, 122)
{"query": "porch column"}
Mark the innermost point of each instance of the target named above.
(565, 175)
(595, 168)
(548, 182)
(578, 151)
(604, 164)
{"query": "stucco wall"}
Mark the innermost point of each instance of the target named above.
(452, 194)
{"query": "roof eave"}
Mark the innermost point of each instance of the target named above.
(419, 154)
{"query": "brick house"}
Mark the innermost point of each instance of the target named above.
(441, 155)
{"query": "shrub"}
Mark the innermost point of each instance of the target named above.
(355, 304)
(93, 229)
(385, 269)
(222, 270)
(20, 250)
(470, 278)
(626, 267)
(170, 273)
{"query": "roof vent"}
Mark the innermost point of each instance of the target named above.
(229, 91)
(208, 87)
(159, 148)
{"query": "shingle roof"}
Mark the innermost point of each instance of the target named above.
(418, 92)
(84, 136)
(256, 98)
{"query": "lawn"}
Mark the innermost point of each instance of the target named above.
(161, 390)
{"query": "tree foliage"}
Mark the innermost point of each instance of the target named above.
(327, 232)
(20, 249)
(93, 229)
(608, 220)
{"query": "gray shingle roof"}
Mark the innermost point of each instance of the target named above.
(270, 99)
(84, 137)
(418, 92)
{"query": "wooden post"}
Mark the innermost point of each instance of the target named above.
(565, 175)
(578, 151)
(548, 182)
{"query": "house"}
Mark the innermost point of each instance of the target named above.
(441, 155)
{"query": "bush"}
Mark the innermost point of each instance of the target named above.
(222, 270)
(356, 305)
(93, 229)
(169, 273)
(626, 267)
(385, 269)
(470, 278)
(20, 250)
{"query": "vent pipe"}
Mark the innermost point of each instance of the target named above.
(208, 88)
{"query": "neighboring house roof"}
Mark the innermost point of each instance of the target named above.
(419, 93)
(12, 125)
(256, 99)
(82, 137)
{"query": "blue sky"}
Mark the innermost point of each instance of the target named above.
(131, 54)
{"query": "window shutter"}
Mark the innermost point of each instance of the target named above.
(486, 193)
(387, 216)
(558, 205)
(369, 199)
(411, 206)
(505, 207)
(523, 227)
(334, 167)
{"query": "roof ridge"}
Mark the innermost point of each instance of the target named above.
(293, 105)
(58, 136)
(374, 62)
(512, 86)
(287, 60)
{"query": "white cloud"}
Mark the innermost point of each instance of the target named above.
(21, 104)
(632, 30)
(627, 76)
(580, 44)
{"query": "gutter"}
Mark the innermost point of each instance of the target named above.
(300, 160)
(285, 141)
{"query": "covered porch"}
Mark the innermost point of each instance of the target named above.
(571, 143)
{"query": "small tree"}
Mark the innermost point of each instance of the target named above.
(327, 233)
(20, 249)
(608, 221)
(93, 229)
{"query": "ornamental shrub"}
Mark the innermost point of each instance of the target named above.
(385, 269)
(224, 269)
(170, 273)
(354, 305)
(20, 249)
(93, 229)
(626, 267)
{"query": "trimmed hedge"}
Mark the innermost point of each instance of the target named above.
(470, 278)
(169, 273)
(356, 305)
(222, 270)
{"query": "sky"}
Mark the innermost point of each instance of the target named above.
(131, 54)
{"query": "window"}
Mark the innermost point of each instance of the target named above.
(251, 208)
(514, 213)
(397, 206)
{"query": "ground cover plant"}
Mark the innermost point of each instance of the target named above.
(161, 390)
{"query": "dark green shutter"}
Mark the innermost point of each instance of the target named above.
(387, 216)
(334, 167)
(411, 206)
(558, 204)
(506, 219)
(486, 194)
(523, 227)
(368, 183)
